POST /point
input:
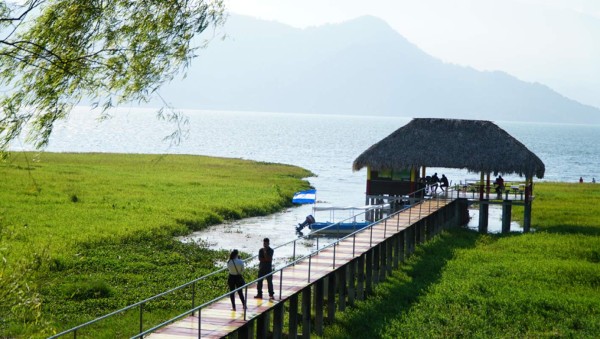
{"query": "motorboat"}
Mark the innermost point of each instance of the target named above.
(342, 220)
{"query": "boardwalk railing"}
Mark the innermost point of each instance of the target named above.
(513, 190)
(416, 198)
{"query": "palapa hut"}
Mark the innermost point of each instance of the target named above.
(396, 164)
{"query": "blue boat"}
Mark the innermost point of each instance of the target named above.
(340, 220)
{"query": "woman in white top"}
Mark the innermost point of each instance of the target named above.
(235, 265)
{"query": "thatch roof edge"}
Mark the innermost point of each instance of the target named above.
(474, 145)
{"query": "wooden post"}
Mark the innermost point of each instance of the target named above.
(396, 245)
(331, 297)
(369, 275)
(410, 240)
(342, 288)
(527, 209)
(488, 186)
(305, 312)
(278, 321)
(293, 314)
(483, 216)
(319, 305)
(262, 325)
(383, 261)
(389, 260)
(423, 225)
(401, 246)
(351, 281)
(360, 287)
(506, 214)
(416, 229)
(375, 262)
(527, 217)
(481, 184)
(437, 222)
(246, 331)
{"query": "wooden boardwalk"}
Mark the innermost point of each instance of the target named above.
(218, 320)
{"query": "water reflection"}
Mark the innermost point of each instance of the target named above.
(494, 220)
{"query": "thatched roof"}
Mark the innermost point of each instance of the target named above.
(474, 145)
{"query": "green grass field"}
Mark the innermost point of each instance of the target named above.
(544, 284)
(82, 235)
(79, 234)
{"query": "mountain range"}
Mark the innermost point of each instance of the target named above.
(359, 67)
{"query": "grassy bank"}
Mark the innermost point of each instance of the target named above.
(464, 284)
(85, 234)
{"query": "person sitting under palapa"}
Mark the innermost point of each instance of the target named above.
(433, 185)
(444, 182)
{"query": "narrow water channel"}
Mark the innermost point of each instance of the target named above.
(246, 235)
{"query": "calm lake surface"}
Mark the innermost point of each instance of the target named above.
(324, 144)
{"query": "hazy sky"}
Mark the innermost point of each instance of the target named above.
(554, 42)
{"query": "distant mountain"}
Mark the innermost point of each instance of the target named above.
(360, 67)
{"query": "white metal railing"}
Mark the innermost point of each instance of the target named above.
(416, 198)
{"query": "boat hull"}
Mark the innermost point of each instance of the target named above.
(338, 228)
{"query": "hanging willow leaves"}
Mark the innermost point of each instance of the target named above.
(54, 53)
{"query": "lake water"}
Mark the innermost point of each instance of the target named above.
(324, 144)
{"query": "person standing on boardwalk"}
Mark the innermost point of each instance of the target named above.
(499, 184)
(265, 267)
(235, 266)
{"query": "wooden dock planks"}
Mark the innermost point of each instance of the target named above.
(218, 320)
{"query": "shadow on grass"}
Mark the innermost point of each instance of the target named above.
(398, 293)
(571, 229)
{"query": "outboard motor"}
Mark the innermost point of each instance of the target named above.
(307, 222)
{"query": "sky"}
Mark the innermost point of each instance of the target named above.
(553, 42)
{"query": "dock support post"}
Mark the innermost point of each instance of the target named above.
(262, 325)
(360, 286)
(430, 226)
(410, 240)
(351, 282)
(423, 226)
(483, 216)
(527, 217)
(306, 312)
(440, 219)
(506, 214)
(319, 305)
(247, 331)
(278, 321)
(396, 245)
(389, 257)
(383, 261)
(376, 264)
(331, 297)
(342, 287)
(369, 275)
(416, 229)
(293, 313)
(401, 246)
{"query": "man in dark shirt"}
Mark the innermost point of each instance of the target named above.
(265, 266)
(499, 184)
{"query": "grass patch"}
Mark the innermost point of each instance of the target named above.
(464, 284)
(82, 235)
